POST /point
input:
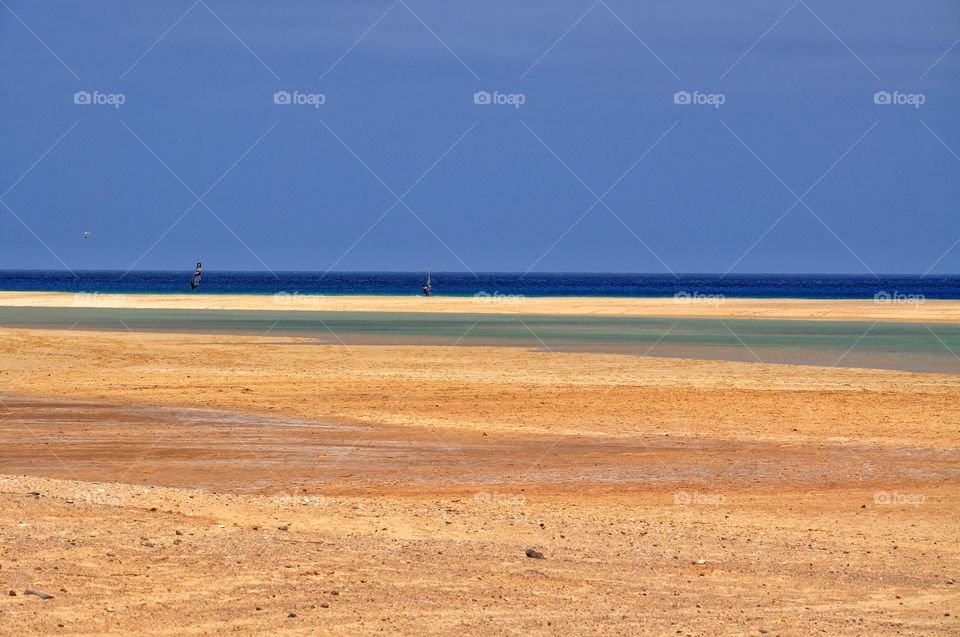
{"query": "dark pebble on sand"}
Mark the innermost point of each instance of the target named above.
(324, 605)
(12, 593)
(39, 594)
(292, 615)
(534, 554)
(283, 527)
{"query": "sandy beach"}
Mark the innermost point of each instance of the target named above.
(909, 310)
(273, 484)
(479, 319)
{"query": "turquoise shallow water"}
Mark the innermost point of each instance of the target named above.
(905, 346)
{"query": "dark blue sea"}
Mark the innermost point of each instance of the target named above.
(811, 286)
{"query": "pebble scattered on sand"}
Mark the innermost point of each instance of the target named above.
(534, 554)
(37, 593)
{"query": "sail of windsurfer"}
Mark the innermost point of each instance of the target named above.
(426, 286)
(196, 276)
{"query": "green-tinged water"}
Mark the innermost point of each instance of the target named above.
(907, 346)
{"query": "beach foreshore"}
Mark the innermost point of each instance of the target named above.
(893, 308)
(483, 389)
(271, 484)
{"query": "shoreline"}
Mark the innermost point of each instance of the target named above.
(924, 311)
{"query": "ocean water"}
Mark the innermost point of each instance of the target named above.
(466, 284)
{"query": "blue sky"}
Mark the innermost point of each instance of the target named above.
(798, 170)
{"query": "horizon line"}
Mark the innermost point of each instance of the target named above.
(492, 272)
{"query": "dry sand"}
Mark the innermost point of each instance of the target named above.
(917, 310)
(396, 489)
(786, 561)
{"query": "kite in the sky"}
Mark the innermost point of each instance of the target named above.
(86, 235)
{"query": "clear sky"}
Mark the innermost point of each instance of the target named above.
(797, 170)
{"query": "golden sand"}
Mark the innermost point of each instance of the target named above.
(484, 388)
(666, 495)
(796, 309)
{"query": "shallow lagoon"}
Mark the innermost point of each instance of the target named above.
(905, 346)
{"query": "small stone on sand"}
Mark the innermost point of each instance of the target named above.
(37, 593)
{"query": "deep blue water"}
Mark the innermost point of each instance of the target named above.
(464, 284)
